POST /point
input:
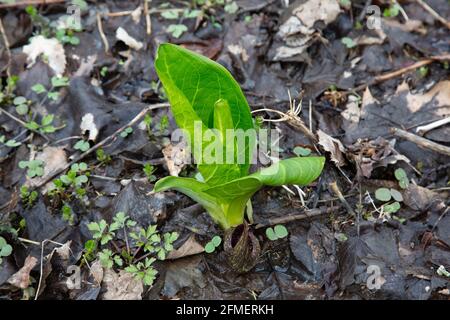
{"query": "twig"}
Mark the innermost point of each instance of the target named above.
(420, 141)
(28, 2)
(103, 142)
(308, 214)
(148, 20)
(436, 124)
(334, 187)
(8, 51)
(102, 34)
(23, 124)
(431, 11)
(401, 71)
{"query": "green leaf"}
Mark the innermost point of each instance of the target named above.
(392, 208)
(348, 42)
(177, 29)
(194, 84)
(396, 195)
(22, 109)
(53, 95)
(12, 143)
(210, 247)
(383, 194)
(280, 231)
(400, 174)
(271, 234)
(216, 241)
(304, 152)
(19, 100)
(60, 81)
(231, 7)
(82, 145)
(170, 14)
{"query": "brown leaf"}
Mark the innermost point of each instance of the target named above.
(188, 248)
(334, 146)
(21, 279)
(122, 286)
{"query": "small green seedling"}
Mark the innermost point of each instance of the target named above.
(67, 213)
(302, 152)
(28, 197)
(402, 178)
(102, 156)
(104, 71)
(392, 11)
(144, 271)
(45, 126)
(441, 271)
(231, 7)
(82, 145)
(348, 42)
(5, 249)
(211, 246)
(149, 170)
(21, 104)
(277, 232)
(35, 167)
(177, 30)
(11, 143)
(126, 132)
(211, 98)
(385, 195)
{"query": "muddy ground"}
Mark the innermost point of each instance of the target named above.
(342, 244)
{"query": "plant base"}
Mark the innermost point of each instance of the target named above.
(241, 248)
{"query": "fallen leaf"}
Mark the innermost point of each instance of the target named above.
(121, 286)
(52, 49)
(122, 35)
(333, 146)
(188, 248)
(176, 157)
(21, 279)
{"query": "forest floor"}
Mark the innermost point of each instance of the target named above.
(375, 225)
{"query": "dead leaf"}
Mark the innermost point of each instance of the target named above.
(188, 248)
(176, 157)
(333, 146)
(122, 35)
(88, 124)
(52, 49)
(21, 279)
(121, 286)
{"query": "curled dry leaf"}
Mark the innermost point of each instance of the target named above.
(121, 286)
(52, 49)
(188, 248)
(21, 279)
(88, 124)
(333, 146)
(122, 35)
(297, 32)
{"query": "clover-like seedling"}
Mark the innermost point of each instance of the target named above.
(302, 152)
(277, 232)
(11, 143)
(21, 104)
(204, 95)
(211, 246)
(35, 167)
(126, 132)
(385, 195)
(402, 178)
(82, 145)
(5, 249)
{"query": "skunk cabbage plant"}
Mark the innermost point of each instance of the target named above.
(203, 95)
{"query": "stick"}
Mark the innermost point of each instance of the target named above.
(102, 34)
(334, 187)
(103, 142)
(8, 51)
(424, 129)
(401, 71)
(308, 214)
(420, 141)
(431, 11)
(23, 124)
(148, 20)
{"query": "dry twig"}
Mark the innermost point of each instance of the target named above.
(420, 141)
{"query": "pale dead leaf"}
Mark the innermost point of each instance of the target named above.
(122, 35)
(176, 157)
(188, 248)
(121, 286)
(333, 146)
(88, 124)
(21, 279)
(96, 270)
(52, 49)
